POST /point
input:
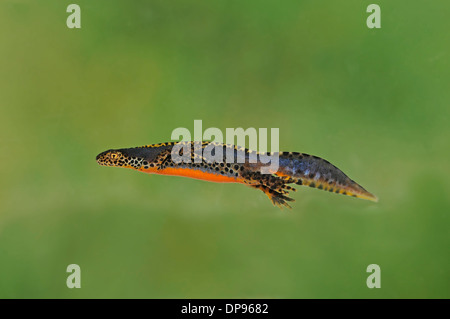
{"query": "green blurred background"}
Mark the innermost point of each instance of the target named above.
(374, 102)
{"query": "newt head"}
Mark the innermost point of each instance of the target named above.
(127, 158)
(112, 158)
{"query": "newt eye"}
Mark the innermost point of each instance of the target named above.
(113, 155)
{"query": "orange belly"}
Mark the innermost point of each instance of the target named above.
(194, 173)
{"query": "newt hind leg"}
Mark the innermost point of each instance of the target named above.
(278, 199)
(274, 187)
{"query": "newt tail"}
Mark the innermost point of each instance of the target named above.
(293, 168)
